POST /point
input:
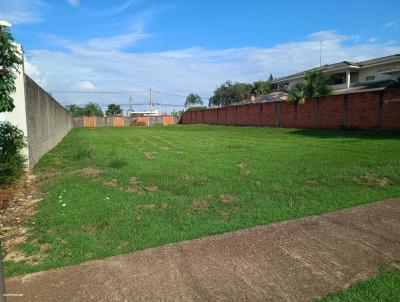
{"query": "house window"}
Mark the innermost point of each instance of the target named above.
(338, 79)
(283, 87)
(370, 78)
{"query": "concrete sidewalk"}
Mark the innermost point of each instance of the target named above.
(296, 260)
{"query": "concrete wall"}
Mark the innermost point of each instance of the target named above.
(47, 121)
(366, 110)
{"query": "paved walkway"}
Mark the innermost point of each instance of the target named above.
(296, 260)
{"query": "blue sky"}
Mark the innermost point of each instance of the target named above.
(189, 46)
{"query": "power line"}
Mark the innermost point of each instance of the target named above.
(135, 104)
(100, 92)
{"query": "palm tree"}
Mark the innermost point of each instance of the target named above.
(193, 99)
(315, 84)
(298, 93)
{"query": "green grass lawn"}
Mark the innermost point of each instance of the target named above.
(383, 288)
(116, 190)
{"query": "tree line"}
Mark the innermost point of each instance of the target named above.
(315, 84)
(232, 92)
(93, 109)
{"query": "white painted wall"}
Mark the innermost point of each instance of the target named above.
(364, 73)
(18, 116)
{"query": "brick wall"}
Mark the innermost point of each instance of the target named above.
(364, 110)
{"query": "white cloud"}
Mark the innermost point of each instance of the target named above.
(33, 71)
(186, 70)
(73, 3)
(86, 86)
(21, 11)
(391, 25)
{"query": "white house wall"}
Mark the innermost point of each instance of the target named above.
(18, 116)
(374, 71)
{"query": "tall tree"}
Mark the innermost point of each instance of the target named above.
(75, 110)
(9, 61)
(92, 109)
(262, 87)
(193, 99)
(113, 110)
(229, 93)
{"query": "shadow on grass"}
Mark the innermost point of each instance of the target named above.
(348, 133)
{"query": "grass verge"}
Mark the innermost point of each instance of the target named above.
(110, 191)
(383, 288)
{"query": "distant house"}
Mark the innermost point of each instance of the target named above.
(351, 76)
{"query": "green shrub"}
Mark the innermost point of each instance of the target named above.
(82, 152)
(118, 163)
(12, 162)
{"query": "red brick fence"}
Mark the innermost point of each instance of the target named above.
(364, 110)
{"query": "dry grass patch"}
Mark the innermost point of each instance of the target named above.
(149, 155)
(165, 205)
(243, 171)
(151, 188)
(148, 206)
(200, 204)
(91, 171)
(112, 183)
(371, 179)
(225, 216)
(227, 198)
(133, 181)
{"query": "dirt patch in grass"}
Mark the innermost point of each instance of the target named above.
(225, 216)
(227, 198)
(18, 256)
(243, 170)
(97, 227)
(200, 204)
(371, 179)
(187, 177)
(149, 155)
(18, 206)
(133, 181)
(165, 205)
(149, 206)
(112, 183)
(151, 188)
(91, 171)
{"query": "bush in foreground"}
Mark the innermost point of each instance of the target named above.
(12, 162)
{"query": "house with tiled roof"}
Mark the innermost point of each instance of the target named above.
(349, 77)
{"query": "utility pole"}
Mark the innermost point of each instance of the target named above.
(151, 102)
(130, 106)
(320, 53)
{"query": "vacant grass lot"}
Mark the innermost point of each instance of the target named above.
(115, 190)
